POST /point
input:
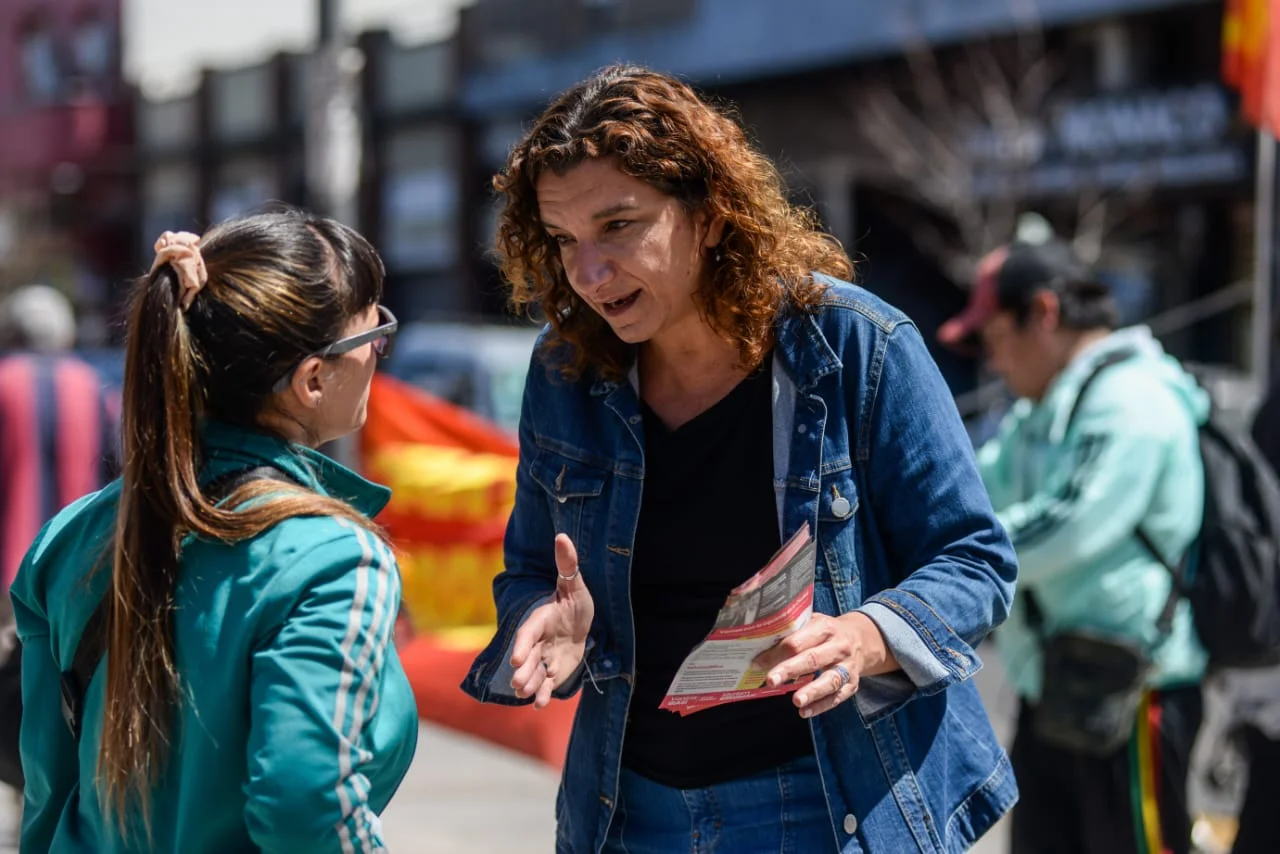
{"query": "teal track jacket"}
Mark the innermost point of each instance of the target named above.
(297, 722)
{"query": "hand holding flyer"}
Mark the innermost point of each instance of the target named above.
(758, 613)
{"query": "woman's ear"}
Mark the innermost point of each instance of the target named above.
(715, 233)
(307, 385)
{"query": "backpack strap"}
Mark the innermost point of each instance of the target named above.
(1107, 361)
(74, 683)
(1165, 622)
(1035, 614)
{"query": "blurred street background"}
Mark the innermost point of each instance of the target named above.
(923, 133)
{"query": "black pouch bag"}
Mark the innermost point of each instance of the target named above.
(1093, 686)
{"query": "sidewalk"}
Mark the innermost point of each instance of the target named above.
(460, 795)
(8, 822)
(463, 794)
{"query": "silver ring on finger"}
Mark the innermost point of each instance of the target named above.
(843, 672)
(568, 577)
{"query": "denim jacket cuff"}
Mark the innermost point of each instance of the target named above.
(500, 683)
(876, 694)
(489, 680)
(931, 656)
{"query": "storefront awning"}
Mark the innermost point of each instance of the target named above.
(725, 41)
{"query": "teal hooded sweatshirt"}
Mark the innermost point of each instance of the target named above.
(296, 722)
(1072, 497)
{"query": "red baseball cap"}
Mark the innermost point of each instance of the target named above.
(984, 303)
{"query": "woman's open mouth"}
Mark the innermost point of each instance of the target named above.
(618, 306)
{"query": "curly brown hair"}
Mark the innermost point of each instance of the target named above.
(660, 131)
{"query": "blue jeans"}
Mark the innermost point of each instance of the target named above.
(783, 811)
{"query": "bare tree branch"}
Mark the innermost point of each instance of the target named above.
(930, 138)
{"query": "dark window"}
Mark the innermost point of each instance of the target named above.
(92, 48)
(41, 69)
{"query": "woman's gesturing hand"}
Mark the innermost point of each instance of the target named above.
(551, 642)
(839, 650)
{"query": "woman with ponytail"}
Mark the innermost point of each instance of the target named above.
(248, 697)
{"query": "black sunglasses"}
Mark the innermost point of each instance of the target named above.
(382, 336)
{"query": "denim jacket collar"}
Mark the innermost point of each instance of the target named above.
(802, 349)
(602, 386)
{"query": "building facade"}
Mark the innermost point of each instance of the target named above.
(238, 143)
(1133, 145)
(66, 172)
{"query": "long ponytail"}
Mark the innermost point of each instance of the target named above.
(159, 488)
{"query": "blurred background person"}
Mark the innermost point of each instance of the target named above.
(58, 431)
(1074, 475)
(58, 436)
(1255, 696)
(1266, 421)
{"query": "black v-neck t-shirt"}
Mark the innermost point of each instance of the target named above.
(708, 522)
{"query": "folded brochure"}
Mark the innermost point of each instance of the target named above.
(764, 609)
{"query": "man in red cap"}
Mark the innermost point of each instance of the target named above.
(1074, 476)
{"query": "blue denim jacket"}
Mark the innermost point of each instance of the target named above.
(861, 414)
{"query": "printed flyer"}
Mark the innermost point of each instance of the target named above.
(773, 603)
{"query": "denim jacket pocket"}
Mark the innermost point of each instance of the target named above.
(573, 490)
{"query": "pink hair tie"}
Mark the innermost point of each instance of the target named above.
(181, 250)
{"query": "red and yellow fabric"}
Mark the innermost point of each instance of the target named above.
(1144, 778)
(1232, 39)
(1250, 42)
(401, 413)
(447, 516)
(452, 476)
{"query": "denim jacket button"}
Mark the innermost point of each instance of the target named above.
(802, 428)
(850, 824)
(840, 507)
(634, 419)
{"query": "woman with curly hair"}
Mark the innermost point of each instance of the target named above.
(708, 385)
